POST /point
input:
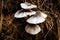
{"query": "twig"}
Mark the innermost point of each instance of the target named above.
(52, 23)
(32, 1)
(38, 2)
(43, 3)
(48, 32)
(1, 16)
(25, 1)
(50, 9)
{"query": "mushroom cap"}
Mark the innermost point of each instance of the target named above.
(43, 15)
(19, 14)
(32, 29)
(37, 18)
(27, 5)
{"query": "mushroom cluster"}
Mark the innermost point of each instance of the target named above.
(36, 17)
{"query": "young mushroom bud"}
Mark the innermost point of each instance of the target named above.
(20, 14)
(33, 29)
(39, 17)
(27, 5)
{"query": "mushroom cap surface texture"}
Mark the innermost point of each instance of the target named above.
(43, 15)
(19, 14)
(27, 5)
(33, 29)
(39, 17)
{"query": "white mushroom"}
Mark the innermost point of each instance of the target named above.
(32, 29)
(39, 17)
(19, 14)
(35, 20)
(43, 15)
(27, 5)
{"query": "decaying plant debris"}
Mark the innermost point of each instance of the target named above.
(14, 29)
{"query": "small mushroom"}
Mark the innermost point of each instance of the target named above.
(39, 17)
(19, 14)
(27, 5)
(32, 29)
